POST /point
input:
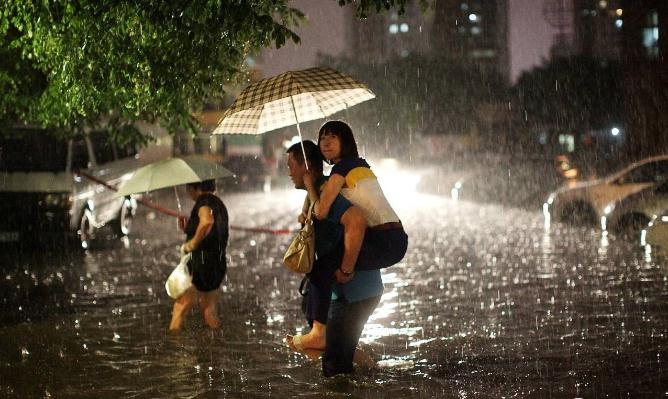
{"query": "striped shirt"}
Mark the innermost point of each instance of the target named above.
(362, 189)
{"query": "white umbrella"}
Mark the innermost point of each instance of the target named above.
(172, 172)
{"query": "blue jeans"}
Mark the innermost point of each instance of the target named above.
(344, 327)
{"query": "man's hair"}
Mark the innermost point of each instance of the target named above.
(313, 155)
(343, 131)
(206, 185)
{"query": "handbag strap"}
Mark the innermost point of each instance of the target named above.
(309, 213)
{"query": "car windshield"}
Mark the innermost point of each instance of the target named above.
(32, 151)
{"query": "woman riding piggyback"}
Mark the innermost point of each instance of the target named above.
(353, 178)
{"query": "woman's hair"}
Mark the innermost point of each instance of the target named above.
(341, 130)
(206, 185)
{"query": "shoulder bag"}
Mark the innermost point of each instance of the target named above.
(301, 253)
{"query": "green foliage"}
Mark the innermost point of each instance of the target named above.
(72, 65)
(569, 93)
(365, 7)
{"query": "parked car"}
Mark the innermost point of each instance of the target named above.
(631, 214)
(43, 197)
(585, 202)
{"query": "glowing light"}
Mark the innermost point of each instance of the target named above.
(619, 12)
(615, 131)
(288, 143)
(454, 193)
(403, 27)
(394, 29)
(473, 17)
(397, 183)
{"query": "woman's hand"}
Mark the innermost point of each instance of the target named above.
(342, 277)
(187, 247)
(182, 221)
(301, 218)
(309, 181)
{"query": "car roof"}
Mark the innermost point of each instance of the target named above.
(636, 164)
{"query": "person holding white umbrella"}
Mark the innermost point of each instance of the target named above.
(207, 232)
(206, 228)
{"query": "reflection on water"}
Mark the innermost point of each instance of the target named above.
(487, 304)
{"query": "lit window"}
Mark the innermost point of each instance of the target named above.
(567, 142)
(403, 27)
(394, 28)
(650, 34)
(619, 12)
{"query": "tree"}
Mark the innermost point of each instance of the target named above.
(573, 93)
(71, 65)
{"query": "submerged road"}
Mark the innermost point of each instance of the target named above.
(486, 304)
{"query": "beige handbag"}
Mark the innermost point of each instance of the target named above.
(301, 253)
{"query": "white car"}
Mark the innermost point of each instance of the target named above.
(586, 202)
(656, 232)
(631, 214)
(43, 196)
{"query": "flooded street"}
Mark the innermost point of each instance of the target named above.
(486, 304)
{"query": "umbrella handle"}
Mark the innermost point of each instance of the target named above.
(178, 200)
(299, 132)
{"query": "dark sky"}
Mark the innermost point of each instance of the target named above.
(530, 36)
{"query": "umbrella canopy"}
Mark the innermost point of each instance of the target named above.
(291, 98)
(172, 172)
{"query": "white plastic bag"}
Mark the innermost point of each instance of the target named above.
(180, 280)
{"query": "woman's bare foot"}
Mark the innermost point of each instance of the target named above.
(306, 341)
(315, 339)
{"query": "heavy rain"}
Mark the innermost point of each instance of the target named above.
(521, 152)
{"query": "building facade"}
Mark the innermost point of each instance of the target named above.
(645, 66)
(472, 31)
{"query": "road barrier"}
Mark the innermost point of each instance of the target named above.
(176, 214)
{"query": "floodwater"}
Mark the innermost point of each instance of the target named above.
(486, 304)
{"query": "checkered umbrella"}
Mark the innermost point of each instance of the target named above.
(290, 98)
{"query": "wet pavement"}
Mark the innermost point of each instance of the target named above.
(486, 304)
